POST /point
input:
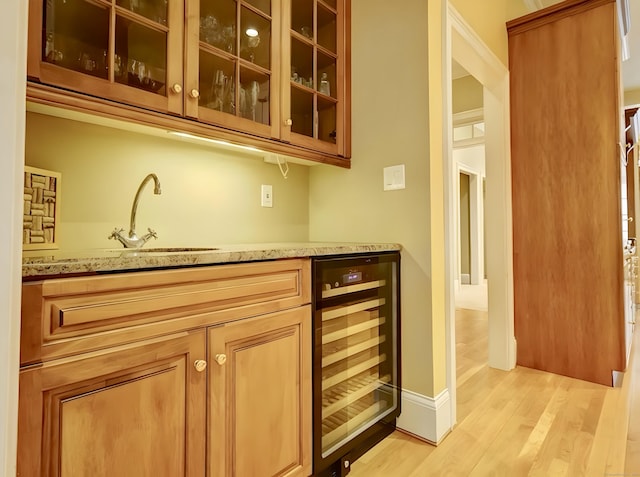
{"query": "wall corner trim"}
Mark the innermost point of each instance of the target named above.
(426, 417)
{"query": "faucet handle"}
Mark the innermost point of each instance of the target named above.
(116, 233)
(152, 233)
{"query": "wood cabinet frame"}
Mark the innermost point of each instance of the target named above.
(54, 86)
(84, 337)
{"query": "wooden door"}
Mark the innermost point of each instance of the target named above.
(130, 411)
(260, 396)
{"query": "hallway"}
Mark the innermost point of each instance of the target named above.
(519, 423)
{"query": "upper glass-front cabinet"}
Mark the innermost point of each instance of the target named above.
(272, 69)
(117, 49)
(316, 93)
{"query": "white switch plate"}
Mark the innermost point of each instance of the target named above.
(267, 196)
(394, 177)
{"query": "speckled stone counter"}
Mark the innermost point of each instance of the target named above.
(50, 263)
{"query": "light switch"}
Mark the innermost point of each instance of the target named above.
(394, 177)
(267, 196)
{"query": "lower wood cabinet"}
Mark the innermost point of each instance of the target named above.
(137, 410)
(260, 388)
(228, 395)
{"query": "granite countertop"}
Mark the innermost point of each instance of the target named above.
(50, 263)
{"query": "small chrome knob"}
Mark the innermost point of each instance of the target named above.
(221, 359)
(288, 122)
(346, 464)
(176, 88)
(200, 365)
(194, 93)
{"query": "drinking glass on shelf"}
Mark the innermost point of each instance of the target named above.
(254, 89)
(325, 87)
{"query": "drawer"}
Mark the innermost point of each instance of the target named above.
(65, 316)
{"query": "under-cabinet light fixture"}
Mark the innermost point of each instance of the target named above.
(251, 32)
(215, 141)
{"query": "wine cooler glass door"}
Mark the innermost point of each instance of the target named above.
(356, 363)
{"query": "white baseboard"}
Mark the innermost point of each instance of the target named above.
(426, 417)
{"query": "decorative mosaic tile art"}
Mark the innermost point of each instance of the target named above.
(41, 208)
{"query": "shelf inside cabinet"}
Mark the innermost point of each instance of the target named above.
(351, 350)
(337, 427)
(360, 322)
(350, 391)
(352, 371)
(353, 288)
(338, 311)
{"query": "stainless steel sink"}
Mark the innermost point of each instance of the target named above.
(169, 250)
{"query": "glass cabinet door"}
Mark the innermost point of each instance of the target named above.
(315, 108)
(116, 49)
(235, 64)
(140, 57)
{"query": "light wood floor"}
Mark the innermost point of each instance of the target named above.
(522, 422)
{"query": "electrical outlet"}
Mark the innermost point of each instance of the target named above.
(267, 196)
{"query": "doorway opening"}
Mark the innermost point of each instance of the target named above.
(465, 47)
(469, 162)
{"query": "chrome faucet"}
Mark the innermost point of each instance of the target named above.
(133, 241)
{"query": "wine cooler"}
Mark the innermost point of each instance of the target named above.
(356, 357)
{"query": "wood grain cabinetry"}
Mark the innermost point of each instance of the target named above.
(271, 73)
(130, 410)
(566, 168)
(202, 371)
(261, 379)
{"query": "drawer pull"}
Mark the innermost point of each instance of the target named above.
(221, 359)
(200, 365)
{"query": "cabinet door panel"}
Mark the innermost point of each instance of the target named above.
(231, 63)
(260, 397)
(128, 51)
(316, 99)
(131, 411)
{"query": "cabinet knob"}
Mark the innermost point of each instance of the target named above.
(176, 88)
(200, 365)
(288, 122)
(194, 93)
(221, 359)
